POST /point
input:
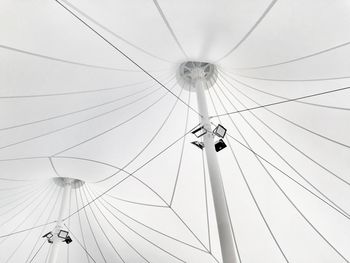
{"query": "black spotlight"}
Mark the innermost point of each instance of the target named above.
(219, 145)
(49, 237)
(200, 145)
(68, 240)
(199, 131)
(220, 131)
(63, 234)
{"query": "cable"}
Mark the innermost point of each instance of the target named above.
(225, 198)
(20, 197)
(72, 92)
(92, 232)
(115, 230)
(260, 19)
(114, 127)
(296, 59)
(101, 228)
(79, 122)
(114, 34)
(32, 200)
(64, 60)
(135, 171)
(290, 144)
(169, 27)
(36, 253)
(138, 234)
(147, 144)
(332, 205)
(74, 112)
(114, 167)
(282, 102)
(82, 246)
(293, 80)
(182, 149)
(24, 230)
(287, 197)
(308, 130)
(126, 56)
(47, 220)
(300, 213)
(281, 97)
(81, 229)
(38, 218)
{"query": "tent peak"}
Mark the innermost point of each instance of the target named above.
(189, 71)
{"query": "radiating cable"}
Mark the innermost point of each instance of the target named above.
(114, 167)
(293, 80)
(68, 93)
(296, 208)
(90, 227)
(148, 143)
(308, 130)
(332, 204)
(166, 206)
(255, 25)
(74, 112)
(296, 59)
(101, 228)
(81, 229)
(81, 121)
(135, 171)
(37, 252)
(138, 234)
(282, 97)
(282, 102)
(169, 27)
(182, 149)
(38, 218)
(124, 55)
(115, 230)
(292, 145)
(32, 200)
(225, 198)
(63, 60)
(47, 221)
(287, 197)
(81, 245)
(114, 34)
(134, 116)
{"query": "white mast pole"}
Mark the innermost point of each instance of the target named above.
(222, 214)
(57, 242)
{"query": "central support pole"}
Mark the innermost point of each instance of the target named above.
(57, 242)
(221, 209)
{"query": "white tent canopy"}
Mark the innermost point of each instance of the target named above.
(88, 90)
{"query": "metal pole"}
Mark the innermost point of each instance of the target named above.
(57, 242)
(221, 210)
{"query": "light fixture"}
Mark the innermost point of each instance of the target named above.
(199, 131)
(68, 240)
(219, 145)
(200, 145)
(63, 234)
(220, 131)
(48, 235)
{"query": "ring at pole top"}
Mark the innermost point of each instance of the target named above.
(62, 181)
(190, 70)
